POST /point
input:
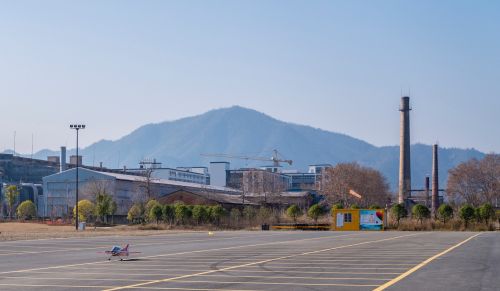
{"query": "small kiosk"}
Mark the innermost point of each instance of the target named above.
(358, 219)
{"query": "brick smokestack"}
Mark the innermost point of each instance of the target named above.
(404, 152)
(435, 181)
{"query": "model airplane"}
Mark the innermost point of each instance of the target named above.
(118, 251)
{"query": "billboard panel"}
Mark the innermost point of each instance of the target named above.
(371, 219)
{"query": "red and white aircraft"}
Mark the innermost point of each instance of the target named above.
(118, 251)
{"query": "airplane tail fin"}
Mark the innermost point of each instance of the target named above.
(126, 247)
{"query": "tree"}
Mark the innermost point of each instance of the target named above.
(293, 212)
(467, 213)
(487, 212)
(216, 213)
(475, 181)
(155, 213)
(181, 213)
(26, 210)
(398, 211)
(420, 212)
(103, 203)
(445, 212)
(11, 195)
(200, 214)
(135, 213)
(315, 212)
(112, 210)
(85, 210)
(168, 213)
(336, 183)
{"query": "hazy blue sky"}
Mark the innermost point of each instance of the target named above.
(336, 65)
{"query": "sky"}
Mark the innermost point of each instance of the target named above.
(337, 65)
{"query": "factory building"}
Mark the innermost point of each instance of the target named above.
(58, 197)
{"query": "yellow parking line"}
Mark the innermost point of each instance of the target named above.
(254, 263)
(414, 269)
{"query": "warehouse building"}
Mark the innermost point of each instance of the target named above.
(59, 190)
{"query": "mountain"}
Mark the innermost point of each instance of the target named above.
(238, 130)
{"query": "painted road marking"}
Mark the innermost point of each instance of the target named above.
(102, 287)
(414, 269)
(254, 263)
(180, 253)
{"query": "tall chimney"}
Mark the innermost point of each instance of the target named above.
(435, 181)
(404, 152)
(62, 165)
(427, 191)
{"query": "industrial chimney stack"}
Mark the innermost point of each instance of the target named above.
(435, 181)
(62, 160)
(404, 152)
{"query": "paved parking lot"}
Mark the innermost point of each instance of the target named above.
(244, 260)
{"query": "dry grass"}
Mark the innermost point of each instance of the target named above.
(24, 231)
(429, 225)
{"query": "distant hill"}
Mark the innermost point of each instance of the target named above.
(238, 130)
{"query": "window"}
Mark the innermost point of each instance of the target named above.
(347, 217)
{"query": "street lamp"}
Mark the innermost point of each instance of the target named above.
(76, 127)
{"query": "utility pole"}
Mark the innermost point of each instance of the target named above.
(77, 127)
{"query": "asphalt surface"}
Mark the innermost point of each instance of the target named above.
(275, 260)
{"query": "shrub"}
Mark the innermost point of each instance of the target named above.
(235, 216)
(26, 210)
(486, 212)
(293, 212)
(181, 213)
(85, 210)
(147, 209)
(264, 214)
(216, 213)
(374, 206)
(338, 205)
(420, 212)
(168, 213)
(398, 211)
(315, 212)
(249, 213)
(135, 214)
(155, 213)
(200, 214)
(445, 212)
(467, 213)
(355, 206)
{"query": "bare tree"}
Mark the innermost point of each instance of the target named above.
(475, 181)
(336, 183)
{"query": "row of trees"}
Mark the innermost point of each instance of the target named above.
(466, 213)
(181, 214)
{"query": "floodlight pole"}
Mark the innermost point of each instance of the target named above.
(77, 127)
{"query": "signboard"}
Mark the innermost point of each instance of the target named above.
(371, 219)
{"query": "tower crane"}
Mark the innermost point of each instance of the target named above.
(275, 158)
